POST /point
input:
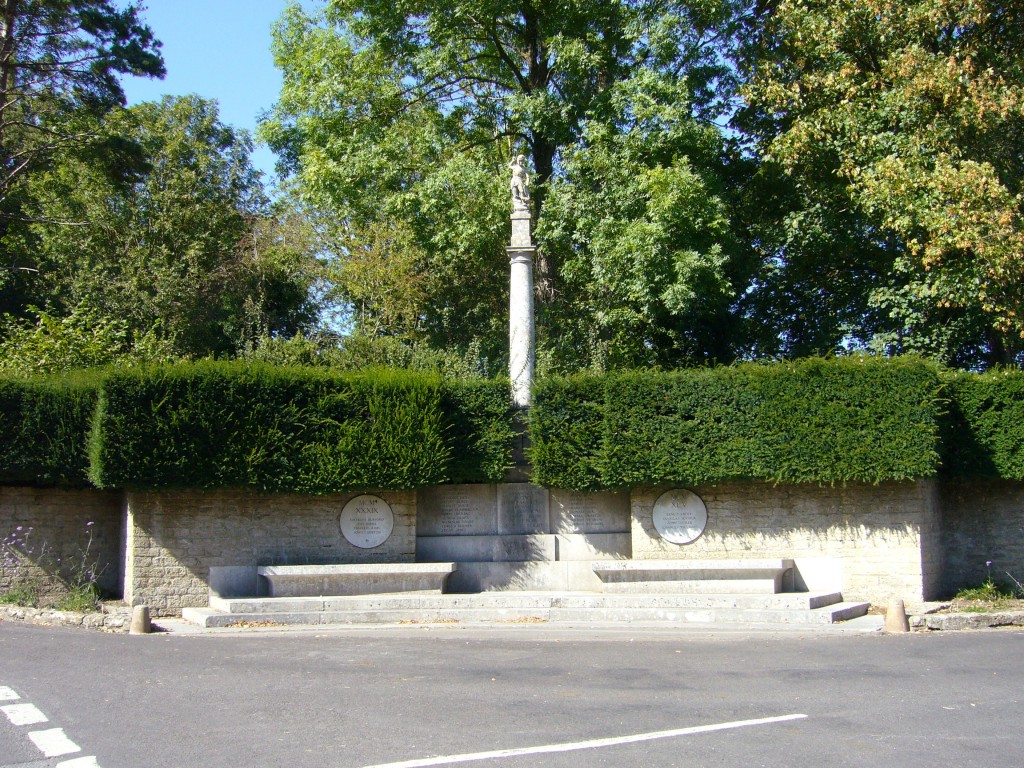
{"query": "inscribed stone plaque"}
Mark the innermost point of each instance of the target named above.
(573, 512)
(367, 522)
(680, 516)
(522, 508)
(456, 510)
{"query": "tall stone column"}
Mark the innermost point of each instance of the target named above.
(521, 332)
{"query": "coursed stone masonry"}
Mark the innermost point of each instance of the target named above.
(872, 542)
(913, 541)
(62, 522)
(982, 522)
(175, 538)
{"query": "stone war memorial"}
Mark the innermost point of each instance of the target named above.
(790, 492)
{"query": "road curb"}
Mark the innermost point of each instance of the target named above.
(957, 621)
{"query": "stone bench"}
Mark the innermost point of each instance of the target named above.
(695, 576)
(368, 579)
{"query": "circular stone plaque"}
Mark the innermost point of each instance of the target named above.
(680, 516)
(367, 522)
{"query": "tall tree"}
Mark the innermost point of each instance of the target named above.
(59, 67)
(901, 121)
(411, 113)
(59, 62)
(191, 251)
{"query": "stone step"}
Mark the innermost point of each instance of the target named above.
(210, 617)
(789, 608)
(526, 601)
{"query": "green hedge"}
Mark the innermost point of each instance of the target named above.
(566, 424)
(232, 425)
(45, 426)
(984, 430)
(479, 434)
(313, 430)
(847, 419)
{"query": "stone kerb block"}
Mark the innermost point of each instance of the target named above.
(457, 510)
(574, 512)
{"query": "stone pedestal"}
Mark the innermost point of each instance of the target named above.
(517, 536)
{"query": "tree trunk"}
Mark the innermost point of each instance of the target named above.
(8, 60)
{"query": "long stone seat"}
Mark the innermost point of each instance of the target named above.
(761, 576)
(354, 579)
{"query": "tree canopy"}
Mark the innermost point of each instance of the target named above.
(899, 125)
(712, 180)
(411, 113)
(191, 252)
(59, 66)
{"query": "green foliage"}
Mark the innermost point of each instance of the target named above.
(897, 129)
(25, 593)
(60, 68)
(359, 351)
(689, 427)
(566, 424)
(213, 425)
(399, 123)
(233, 425)
(85, 338)
(639, 222)
(984, 433)
(188, 255)
(80, 599)
(827, 421)
(29, 570)
(479, 414)
(46, 424)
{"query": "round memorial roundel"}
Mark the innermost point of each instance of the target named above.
(367, 521)
(680, 516)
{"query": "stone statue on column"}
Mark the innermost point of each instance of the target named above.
(520, 184)
(521, 333)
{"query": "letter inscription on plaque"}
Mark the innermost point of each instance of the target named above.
(680, 516)
(367, 522)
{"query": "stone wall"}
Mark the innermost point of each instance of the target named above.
(71, 531)
(982, 521)
(174, 539)
(916, 541)
(870, 542)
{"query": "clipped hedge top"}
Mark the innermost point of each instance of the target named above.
(305, 430)
(846, 419)
(311, 430)
(43, 429)
(983, 434)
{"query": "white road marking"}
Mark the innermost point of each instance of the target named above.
(7, 694)
(79, 762)
(592, 744)
(53, 742)
(24, 714)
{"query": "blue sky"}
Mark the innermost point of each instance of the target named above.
(219, 49)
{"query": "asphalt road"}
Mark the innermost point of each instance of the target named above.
(355, 698)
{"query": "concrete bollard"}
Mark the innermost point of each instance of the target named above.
(896, 617)
(140, 621)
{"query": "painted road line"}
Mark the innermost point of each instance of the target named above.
(592, 744)
(53, 742)
(79, 762)
(24, 714)
(8, 694)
